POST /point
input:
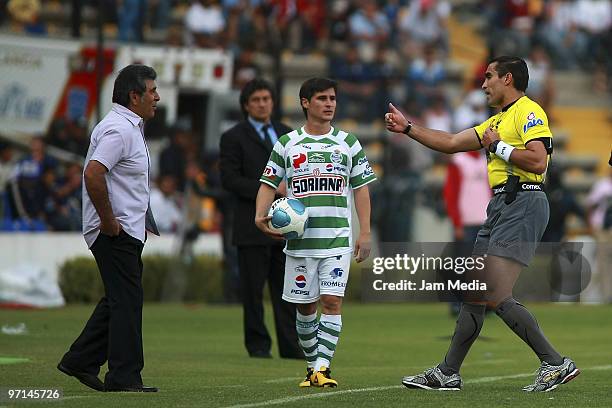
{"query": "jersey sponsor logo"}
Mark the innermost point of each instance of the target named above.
(337, 167)
(532, 187)
(362, 160)
(327, 146)
(336, 273)
(367, 172)
(333, 284)
(298, 159)
(316, 157)
(532, 121)
(332, 184)
(336, 156)
(300, 281)
(269, 171)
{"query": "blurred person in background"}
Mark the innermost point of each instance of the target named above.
(131, 19)
(244, 152)
(165, 204)
(7, 170)
(599, 202)
(28, 190)
(174, 157)
(204, 24)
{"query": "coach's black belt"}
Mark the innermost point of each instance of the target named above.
(524, 186)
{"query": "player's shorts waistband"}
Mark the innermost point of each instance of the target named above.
(524, 186)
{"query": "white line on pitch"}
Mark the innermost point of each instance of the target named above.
(287, 400)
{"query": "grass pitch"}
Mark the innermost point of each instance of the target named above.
(195, 355)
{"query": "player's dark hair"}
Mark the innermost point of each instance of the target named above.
(314, 85)
(514, 65)
(250, 88)
(131, 78)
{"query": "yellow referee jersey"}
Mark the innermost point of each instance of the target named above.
(518, 124)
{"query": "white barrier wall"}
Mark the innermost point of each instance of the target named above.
(47, 251)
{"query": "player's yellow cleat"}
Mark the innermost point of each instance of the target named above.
(322, 378)
(306, 382)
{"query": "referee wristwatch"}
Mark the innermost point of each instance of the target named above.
(407, 129)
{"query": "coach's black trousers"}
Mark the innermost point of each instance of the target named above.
(257, 265)
(113, 333)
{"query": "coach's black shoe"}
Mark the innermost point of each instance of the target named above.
(87, 379)
(135, 388)
(550, 377)
(434, 379)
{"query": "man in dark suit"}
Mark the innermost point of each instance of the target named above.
(245, 150)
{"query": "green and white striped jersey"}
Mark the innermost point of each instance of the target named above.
(321, 171)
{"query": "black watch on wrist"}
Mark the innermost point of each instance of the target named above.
(407, 129)
(493, 146)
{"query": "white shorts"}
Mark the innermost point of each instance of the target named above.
(306, 279)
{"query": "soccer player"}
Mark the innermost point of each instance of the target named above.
(325, 168)
(518, 141)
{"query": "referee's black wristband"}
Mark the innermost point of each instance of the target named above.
(407, 129)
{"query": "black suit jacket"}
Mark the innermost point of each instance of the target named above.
(243, 159)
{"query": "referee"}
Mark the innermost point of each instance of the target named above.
(518, 142)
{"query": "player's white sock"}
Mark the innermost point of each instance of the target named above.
(307, 328)
(329, 331)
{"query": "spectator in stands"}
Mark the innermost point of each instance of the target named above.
(7, 170)
(541, 83)
(599, 202)
(437, 116)
(174, 157)
(204, 24)
(69, 135)
(472, 111)
(29, 194)
(558, 30)
(131, 19)
(594, 18)
(424, 22)
(424, 76)
(562, 204)
(245, 68)
(26, 15)
(300, 23)
(369, 28)
(165, 204)
(357, 81)
(62, 206)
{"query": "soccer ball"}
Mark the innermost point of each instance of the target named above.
(289, 217)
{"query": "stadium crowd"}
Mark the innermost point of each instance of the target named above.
(378, 51)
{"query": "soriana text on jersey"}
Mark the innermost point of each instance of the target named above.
(317, 183)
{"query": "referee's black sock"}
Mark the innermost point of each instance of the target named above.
(469, 323)
(525, 325)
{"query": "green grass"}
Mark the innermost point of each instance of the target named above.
(195, 355)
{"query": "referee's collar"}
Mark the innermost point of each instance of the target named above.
(505, 108)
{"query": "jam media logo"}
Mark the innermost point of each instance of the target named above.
(300, 281)
(298, 160)
(532, 121)
(269, 171)
(336, 273)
